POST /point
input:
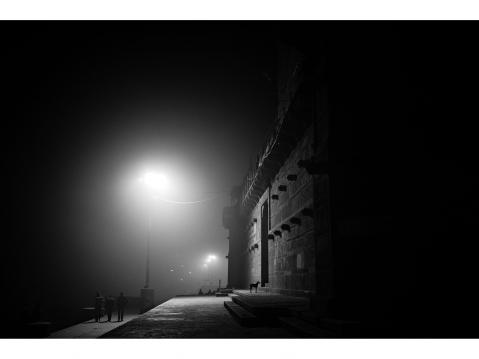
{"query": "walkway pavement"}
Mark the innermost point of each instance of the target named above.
(90, 328)
(192, 317)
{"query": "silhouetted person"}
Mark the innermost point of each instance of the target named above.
(98, 306)
(109, 304)
(121, 302)
(200, 292)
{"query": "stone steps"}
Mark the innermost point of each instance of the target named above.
(269, 304)
(266, 314)
(243, 316)
(292, 313)
(269, 307)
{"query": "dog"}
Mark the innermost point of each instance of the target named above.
(253, 285)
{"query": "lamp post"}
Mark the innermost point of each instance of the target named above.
(154, 184)
(148, 240)
(209, 259)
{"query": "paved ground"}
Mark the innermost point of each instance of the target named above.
(90, 328)
(192, 317)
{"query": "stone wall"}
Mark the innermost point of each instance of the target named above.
(253, 237)
(298, 201)
(291, 254)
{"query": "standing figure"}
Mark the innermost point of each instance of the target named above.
(110, 302)
(98, 306)
(121, 302)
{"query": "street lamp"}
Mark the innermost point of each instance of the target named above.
(154, 183)
(211, 258)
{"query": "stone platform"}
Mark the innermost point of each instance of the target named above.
(193, 317)
(263, 302)
(91, 329)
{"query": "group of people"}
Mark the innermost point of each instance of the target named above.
(105, 306)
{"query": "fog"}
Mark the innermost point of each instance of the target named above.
(91, 109)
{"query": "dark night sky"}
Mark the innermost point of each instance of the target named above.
(87, 104)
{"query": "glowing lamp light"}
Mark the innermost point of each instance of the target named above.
(210, 258)
(155, 182)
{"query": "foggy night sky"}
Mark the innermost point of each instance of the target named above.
(87, 105)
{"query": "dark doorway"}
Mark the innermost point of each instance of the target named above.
(264, 244)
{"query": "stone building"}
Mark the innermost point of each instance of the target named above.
(362, 197)
(279, 218)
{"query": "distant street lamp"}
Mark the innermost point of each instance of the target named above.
(211, 258)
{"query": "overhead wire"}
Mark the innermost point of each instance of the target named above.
(193, 202)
